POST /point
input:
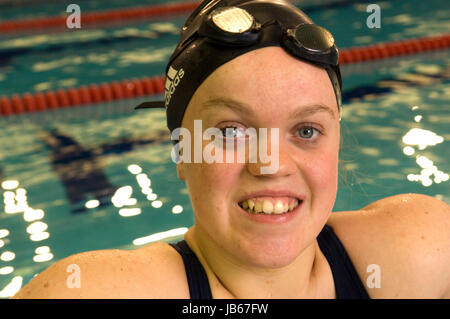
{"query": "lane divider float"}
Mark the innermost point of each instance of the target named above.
(98, 17)
(106, 92)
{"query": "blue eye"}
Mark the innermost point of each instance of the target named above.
(307, 132)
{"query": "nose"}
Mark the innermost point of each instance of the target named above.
(273, 158)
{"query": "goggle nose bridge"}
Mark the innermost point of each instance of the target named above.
(288, 32)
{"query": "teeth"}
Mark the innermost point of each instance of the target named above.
(279, 208)
(258, 207)
(291, 206)
(251, 204)
(266, 207)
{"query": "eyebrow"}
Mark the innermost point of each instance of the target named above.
(234, 105)
(244, 109)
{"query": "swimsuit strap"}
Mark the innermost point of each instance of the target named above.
(196, 276)
(347, 283)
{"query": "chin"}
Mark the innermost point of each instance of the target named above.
(274, 253)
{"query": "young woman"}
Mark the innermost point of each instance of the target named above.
(259, 234)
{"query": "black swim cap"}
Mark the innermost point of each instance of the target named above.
(210, 38)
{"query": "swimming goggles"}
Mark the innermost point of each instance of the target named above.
(232, 30)
(236, 27)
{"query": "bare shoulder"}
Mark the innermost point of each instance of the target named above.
(153, 271)
(407, 237)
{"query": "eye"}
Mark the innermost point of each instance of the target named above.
(233, 132)
(307, 132)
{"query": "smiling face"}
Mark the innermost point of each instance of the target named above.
(265, 88)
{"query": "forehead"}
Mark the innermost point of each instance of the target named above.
(265, 79)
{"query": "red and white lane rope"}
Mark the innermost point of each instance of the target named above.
(105, 92)
(99, 17)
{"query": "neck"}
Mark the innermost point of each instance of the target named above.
(230, 278)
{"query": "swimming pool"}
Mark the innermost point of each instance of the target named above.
(100, 176)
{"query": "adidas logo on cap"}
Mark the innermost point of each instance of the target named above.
(173, 79)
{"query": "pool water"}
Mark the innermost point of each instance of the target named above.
(101, 176)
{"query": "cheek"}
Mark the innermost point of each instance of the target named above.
(210, 184)
(322, 174)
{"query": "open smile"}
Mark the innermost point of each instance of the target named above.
(270, 205)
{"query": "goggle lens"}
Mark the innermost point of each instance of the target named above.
(232, 20)
(313, 37)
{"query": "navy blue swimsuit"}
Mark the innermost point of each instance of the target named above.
(347, 283)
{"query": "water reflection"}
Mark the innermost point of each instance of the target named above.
(160, 236)
(157, 203)
(428, 171)
(375, 123)
(7, 256)
(16, 201)
(6, 270)
(4, 233)
(129, 212)
(10, 289)
(42, 254)
(422, 139)
(122, 197)
(177, 209)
